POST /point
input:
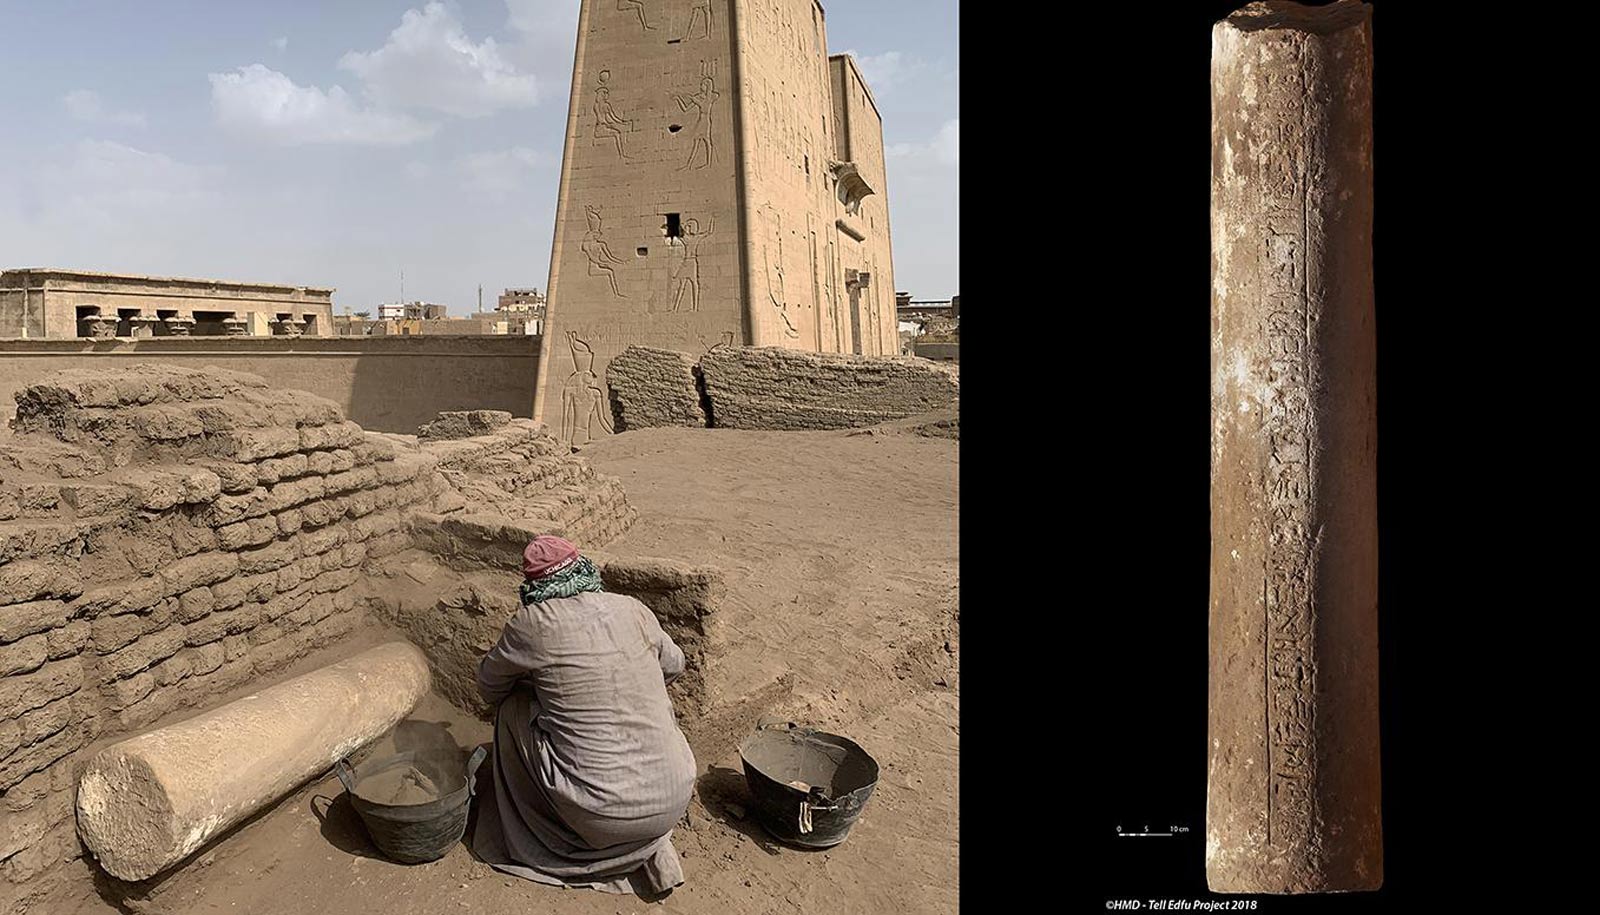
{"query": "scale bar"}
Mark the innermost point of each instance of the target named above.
(1145, 833)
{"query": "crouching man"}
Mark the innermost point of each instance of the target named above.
(590, 771)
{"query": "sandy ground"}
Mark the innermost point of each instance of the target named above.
(841, 556)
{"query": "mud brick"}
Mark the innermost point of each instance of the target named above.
(261, 635)
(244, 534)
(289, 520)
(268, 558)
(272, 470)
(319, 462)
(233, 477)
(109, 633)
(149, 709)
(363, 503)
(23, 656)
(203, 569)
(19, 620)
(38, 755)
(67, 640)
(193, 605)
(203, 659)
(91, 499)
(235, 647)
(27, 692)
(231, 509)
(122, 693)
(322, 541)
(29, 580)
(172, 669)
(256, 444)
(147, 650)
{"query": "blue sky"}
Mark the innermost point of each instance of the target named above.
(341, 143)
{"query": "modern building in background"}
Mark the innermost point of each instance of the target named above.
(527, 299)
(53, 303)
(723, 181)
(412, 311)
(930, 328)
(523, 310)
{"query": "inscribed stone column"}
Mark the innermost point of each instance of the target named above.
(148, 802)
(1292, 801)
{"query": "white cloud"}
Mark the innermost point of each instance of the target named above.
(86, 105)
(881, 70)
(417, 171)
(502, 170)
(944, 148)
(429, 62)
(541, 40)
(885, 71)
(280, 43)
(555, 17)
(260, 101)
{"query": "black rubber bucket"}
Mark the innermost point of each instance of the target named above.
(415, 833)
(809, 787)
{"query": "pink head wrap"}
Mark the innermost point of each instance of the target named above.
(544, 554)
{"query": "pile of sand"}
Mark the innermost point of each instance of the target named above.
(398, 787)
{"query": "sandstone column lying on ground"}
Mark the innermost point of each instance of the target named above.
(148, 802)
(1293, 787)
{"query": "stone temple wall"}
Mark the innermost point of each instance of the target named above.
(169, 534)
(746, 387)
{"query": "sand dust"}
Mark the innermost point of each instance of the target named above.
(399, 786)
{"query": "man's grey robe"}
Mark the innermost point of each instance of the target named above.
(590, 770)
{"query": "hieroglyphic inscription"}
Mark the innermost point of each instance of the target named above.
(1287, 423)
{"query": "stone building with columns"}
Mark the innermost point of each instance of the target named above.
(53, 303)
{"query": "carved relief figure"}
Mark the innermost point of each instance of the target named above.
(686, 278)
(638, 7)
(701, 102)
(832, 300)
(582, 400)
(607, 123)
(594, 248)
(700, 12)
(772, 256)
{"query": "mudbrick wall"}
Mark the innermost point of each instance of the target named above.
(167, 534)
(453, 592)
(774, 388)
(769, 387)
(520, 475)
(372, 379)
(654, 387)
(453, 596)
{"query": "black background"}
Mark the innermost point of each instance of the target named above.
(1085, 497)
